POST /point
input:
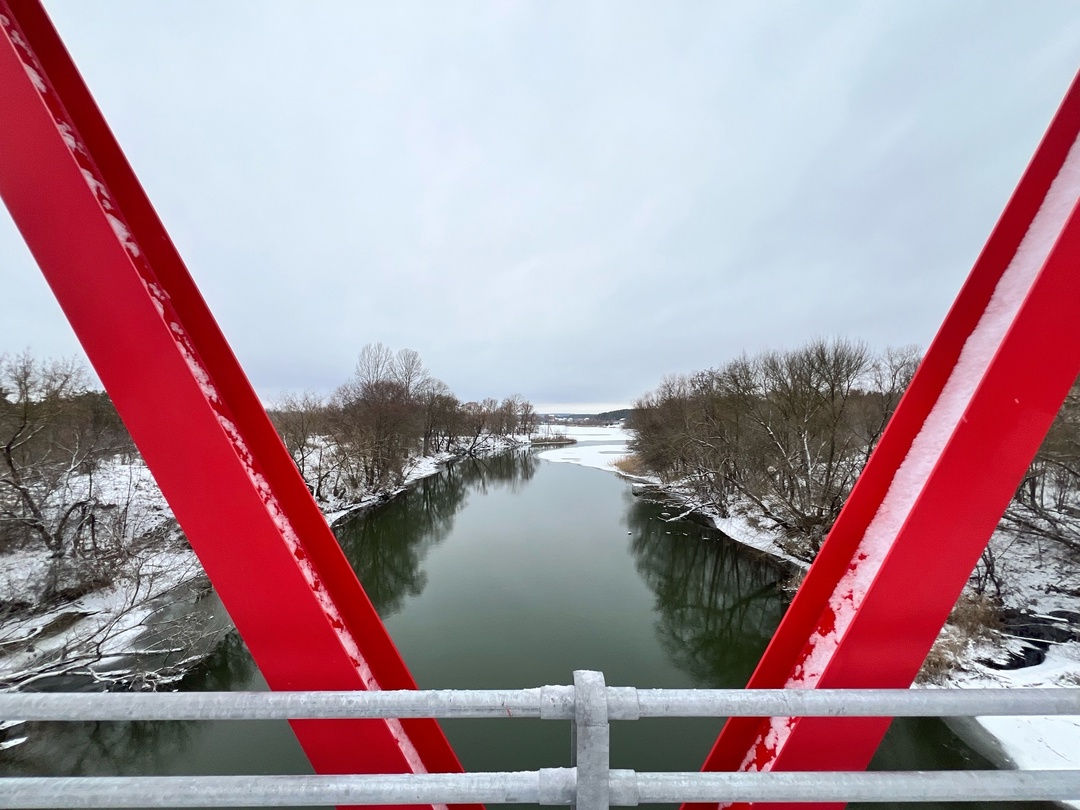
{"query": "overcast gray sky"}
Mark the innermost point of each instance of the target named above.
(565, 200)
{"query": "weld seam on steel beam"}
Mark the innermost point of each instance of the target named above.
(549, 702)
(550, 786)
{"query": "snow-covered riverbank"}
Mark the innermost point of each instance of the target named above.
(139, 611)
(1036, 743)
(100, 615)
(421, 467)
(603, 447)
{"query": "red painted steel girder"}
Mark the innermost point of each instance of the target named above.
(190, 409)
(936, 486)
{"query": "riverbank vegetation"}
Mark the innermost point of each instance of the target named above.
(555, 440)
(369, 435)
(96, 580)
(778, 439)
(90, 559)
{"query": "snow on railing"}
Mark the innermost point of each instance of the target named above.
(590, 784)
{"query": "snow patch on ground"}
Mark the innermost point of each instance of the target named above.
(1032, 743)
(741, 530)
(99, 631)
(127, 485)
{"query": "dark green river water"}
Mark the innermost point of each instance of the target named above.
(512, 572)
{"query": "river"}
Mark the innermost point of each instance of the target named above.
(510, 572)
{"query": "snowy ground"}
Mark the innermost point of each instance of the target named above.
(421, 467)
(1033, 743)
(97, 633)
(143, 619)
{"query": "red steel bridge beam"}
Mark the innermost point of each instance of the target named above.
(195, 418)
(938, 482)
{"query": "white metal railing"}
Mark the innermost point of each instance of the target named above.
(590, 784)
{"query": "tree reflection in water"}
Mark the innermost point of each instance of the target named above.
(717, 607)
(386, 547)
(231, 664)
(73, 749)
(717, 610)
(387, 553)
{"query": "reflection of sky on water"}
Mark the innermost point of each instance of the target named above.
(387, 547)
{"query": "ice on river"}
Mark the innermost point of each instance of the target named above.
(610, 446)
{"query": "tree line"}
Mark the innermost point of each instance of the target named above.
(781, 436)
(57, 435)
(79, 513)
(368, 434)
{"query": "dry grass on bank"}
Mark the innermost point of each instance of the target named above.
(975, 618)
(631, 465)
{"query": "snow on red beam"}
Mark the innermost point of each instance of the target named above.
(936, 486)
(189, 407)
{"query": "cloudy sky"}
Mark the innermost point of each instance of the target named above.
(565, 200)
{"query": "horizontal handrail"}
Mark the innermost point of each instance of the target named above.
(548, 786)
(547, 702)
(591, 784)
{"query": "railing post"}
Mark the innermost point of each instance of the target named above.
(591, 741)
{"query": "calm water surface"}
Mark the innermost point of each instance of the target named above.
(506, 573)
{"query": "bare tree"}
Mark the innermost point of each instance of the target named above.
(782, 435)
(477, 421)
(526, 417)
(408, 371)
(48, 435)
(506, 416)
(1047, 502)
(890, 376)
(442, 418)
(376, 420)
(367, 436)
(301, 420)
(374, 365)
